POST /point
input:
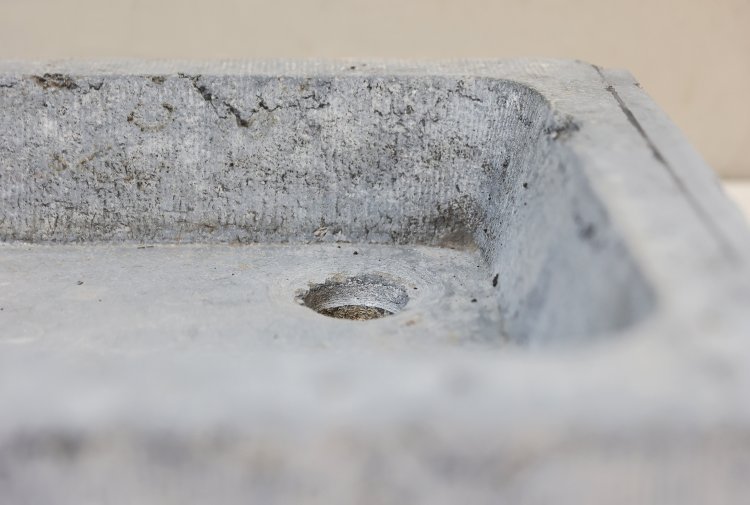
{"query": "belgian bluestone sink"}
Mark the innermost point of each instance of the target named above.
(363, 282)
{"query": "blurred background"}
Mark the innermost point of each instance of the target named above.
(692, 56)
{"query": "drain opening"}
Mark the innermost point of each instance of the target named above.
(358, 298)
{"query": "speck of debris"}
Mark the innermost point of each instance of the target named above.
(473, 300)
(415, 287)
(356, 253)
(525, 184)
(588, 231)
(338, 246)
(79, 282)
(494, 280)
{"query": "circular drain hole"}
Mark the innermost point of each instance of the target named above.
(357, 298)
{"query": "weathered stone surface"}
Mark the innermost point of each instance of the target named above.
(577, 284)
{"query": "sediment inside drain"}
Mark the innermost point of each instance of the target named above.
(355, 312)
(359, 298)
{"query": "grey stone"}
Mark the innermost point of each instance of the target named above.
(569, 286)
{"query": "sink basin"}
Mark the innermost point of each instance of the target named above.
(362, 281)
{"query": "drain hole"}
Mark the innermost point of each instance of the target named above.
(357, 298)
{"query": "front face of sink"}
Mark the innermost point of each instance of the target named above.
(474, 164)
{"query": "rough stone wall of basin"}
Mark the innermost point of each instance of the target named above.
(253, 159)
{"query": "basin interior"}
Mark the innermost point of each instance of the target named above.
(477, 166)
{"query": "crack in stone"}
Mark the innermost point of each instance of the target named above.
(244, 122)
(461, 91)
(202, 90)
(237, 115)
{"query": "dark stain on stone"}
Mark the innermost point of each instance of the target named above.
(454, 224)
(58, 163)
(152, 125)
(494, 280)
(586, 229)
(89, 158)
(562, 129)
(58, 81)
(241, 122)
(587, 232)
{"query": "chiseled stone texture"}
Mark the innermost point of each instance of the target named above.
(578, 288)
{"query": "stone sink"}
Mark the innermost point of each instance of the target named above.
(364, 282)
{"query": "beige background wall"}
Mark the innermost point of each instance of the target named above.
(693, 56)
